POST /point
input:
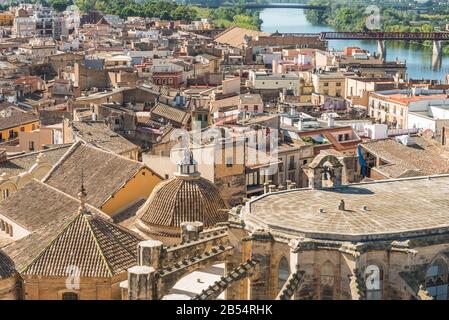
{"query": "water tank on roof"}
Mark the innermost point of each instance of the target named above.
(377, 131)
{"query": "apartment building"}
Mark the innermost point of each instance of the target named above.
(392, 107)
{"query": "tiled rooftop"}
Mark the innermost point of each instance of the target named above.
(18, 164)
(104, 172)
(170, 113)
(406, 99)
(403, 158)
(234, 36)
(99, 135)
(17, 119)
(37, 204)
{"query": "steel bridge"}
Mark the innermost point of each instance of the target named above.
(373, 35)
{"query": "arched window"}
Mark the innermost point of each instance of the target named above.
(437, 280)
(69, 296)
(327, 280)
(373, 282)
(283, 272)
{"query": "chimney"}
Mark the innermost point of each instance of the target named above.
(265, 187)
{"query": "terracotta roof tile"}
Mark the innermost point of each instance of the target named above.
(403, 160)
(177, 200)
(95, 246)
(18, 164)
(98, 134)
(235, 36)
(17, 119)
(6, 266)
(170, 113)
(104, 172)
(36, 204)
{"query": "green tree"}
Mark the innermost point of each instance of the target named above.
(129, 11)
(59, 5)
(85, 5)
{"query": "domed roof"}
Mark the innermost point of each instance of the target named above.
(185, 197)
(178, 200)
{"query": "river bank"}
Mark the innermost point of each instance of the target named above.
(226, 17)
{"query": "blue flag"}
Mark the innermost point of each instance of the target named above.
(362, 160)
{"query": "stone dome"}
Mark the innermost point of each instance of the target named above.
(185, 197)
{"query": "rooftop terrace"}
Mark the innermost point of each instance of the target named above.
(395, 209)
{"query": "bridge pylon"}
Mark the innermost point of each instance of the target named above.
(437, 48)
(382, 48)
(437, 54)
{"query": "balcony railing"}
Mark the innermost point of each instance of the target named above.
(401, 132)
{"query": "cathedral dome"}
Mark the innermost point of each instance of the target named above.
(185, 197)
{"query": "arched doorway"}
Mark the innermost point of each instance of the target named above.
(70, 296)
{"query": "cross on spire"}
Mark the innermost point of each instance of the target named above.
(82, 195)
